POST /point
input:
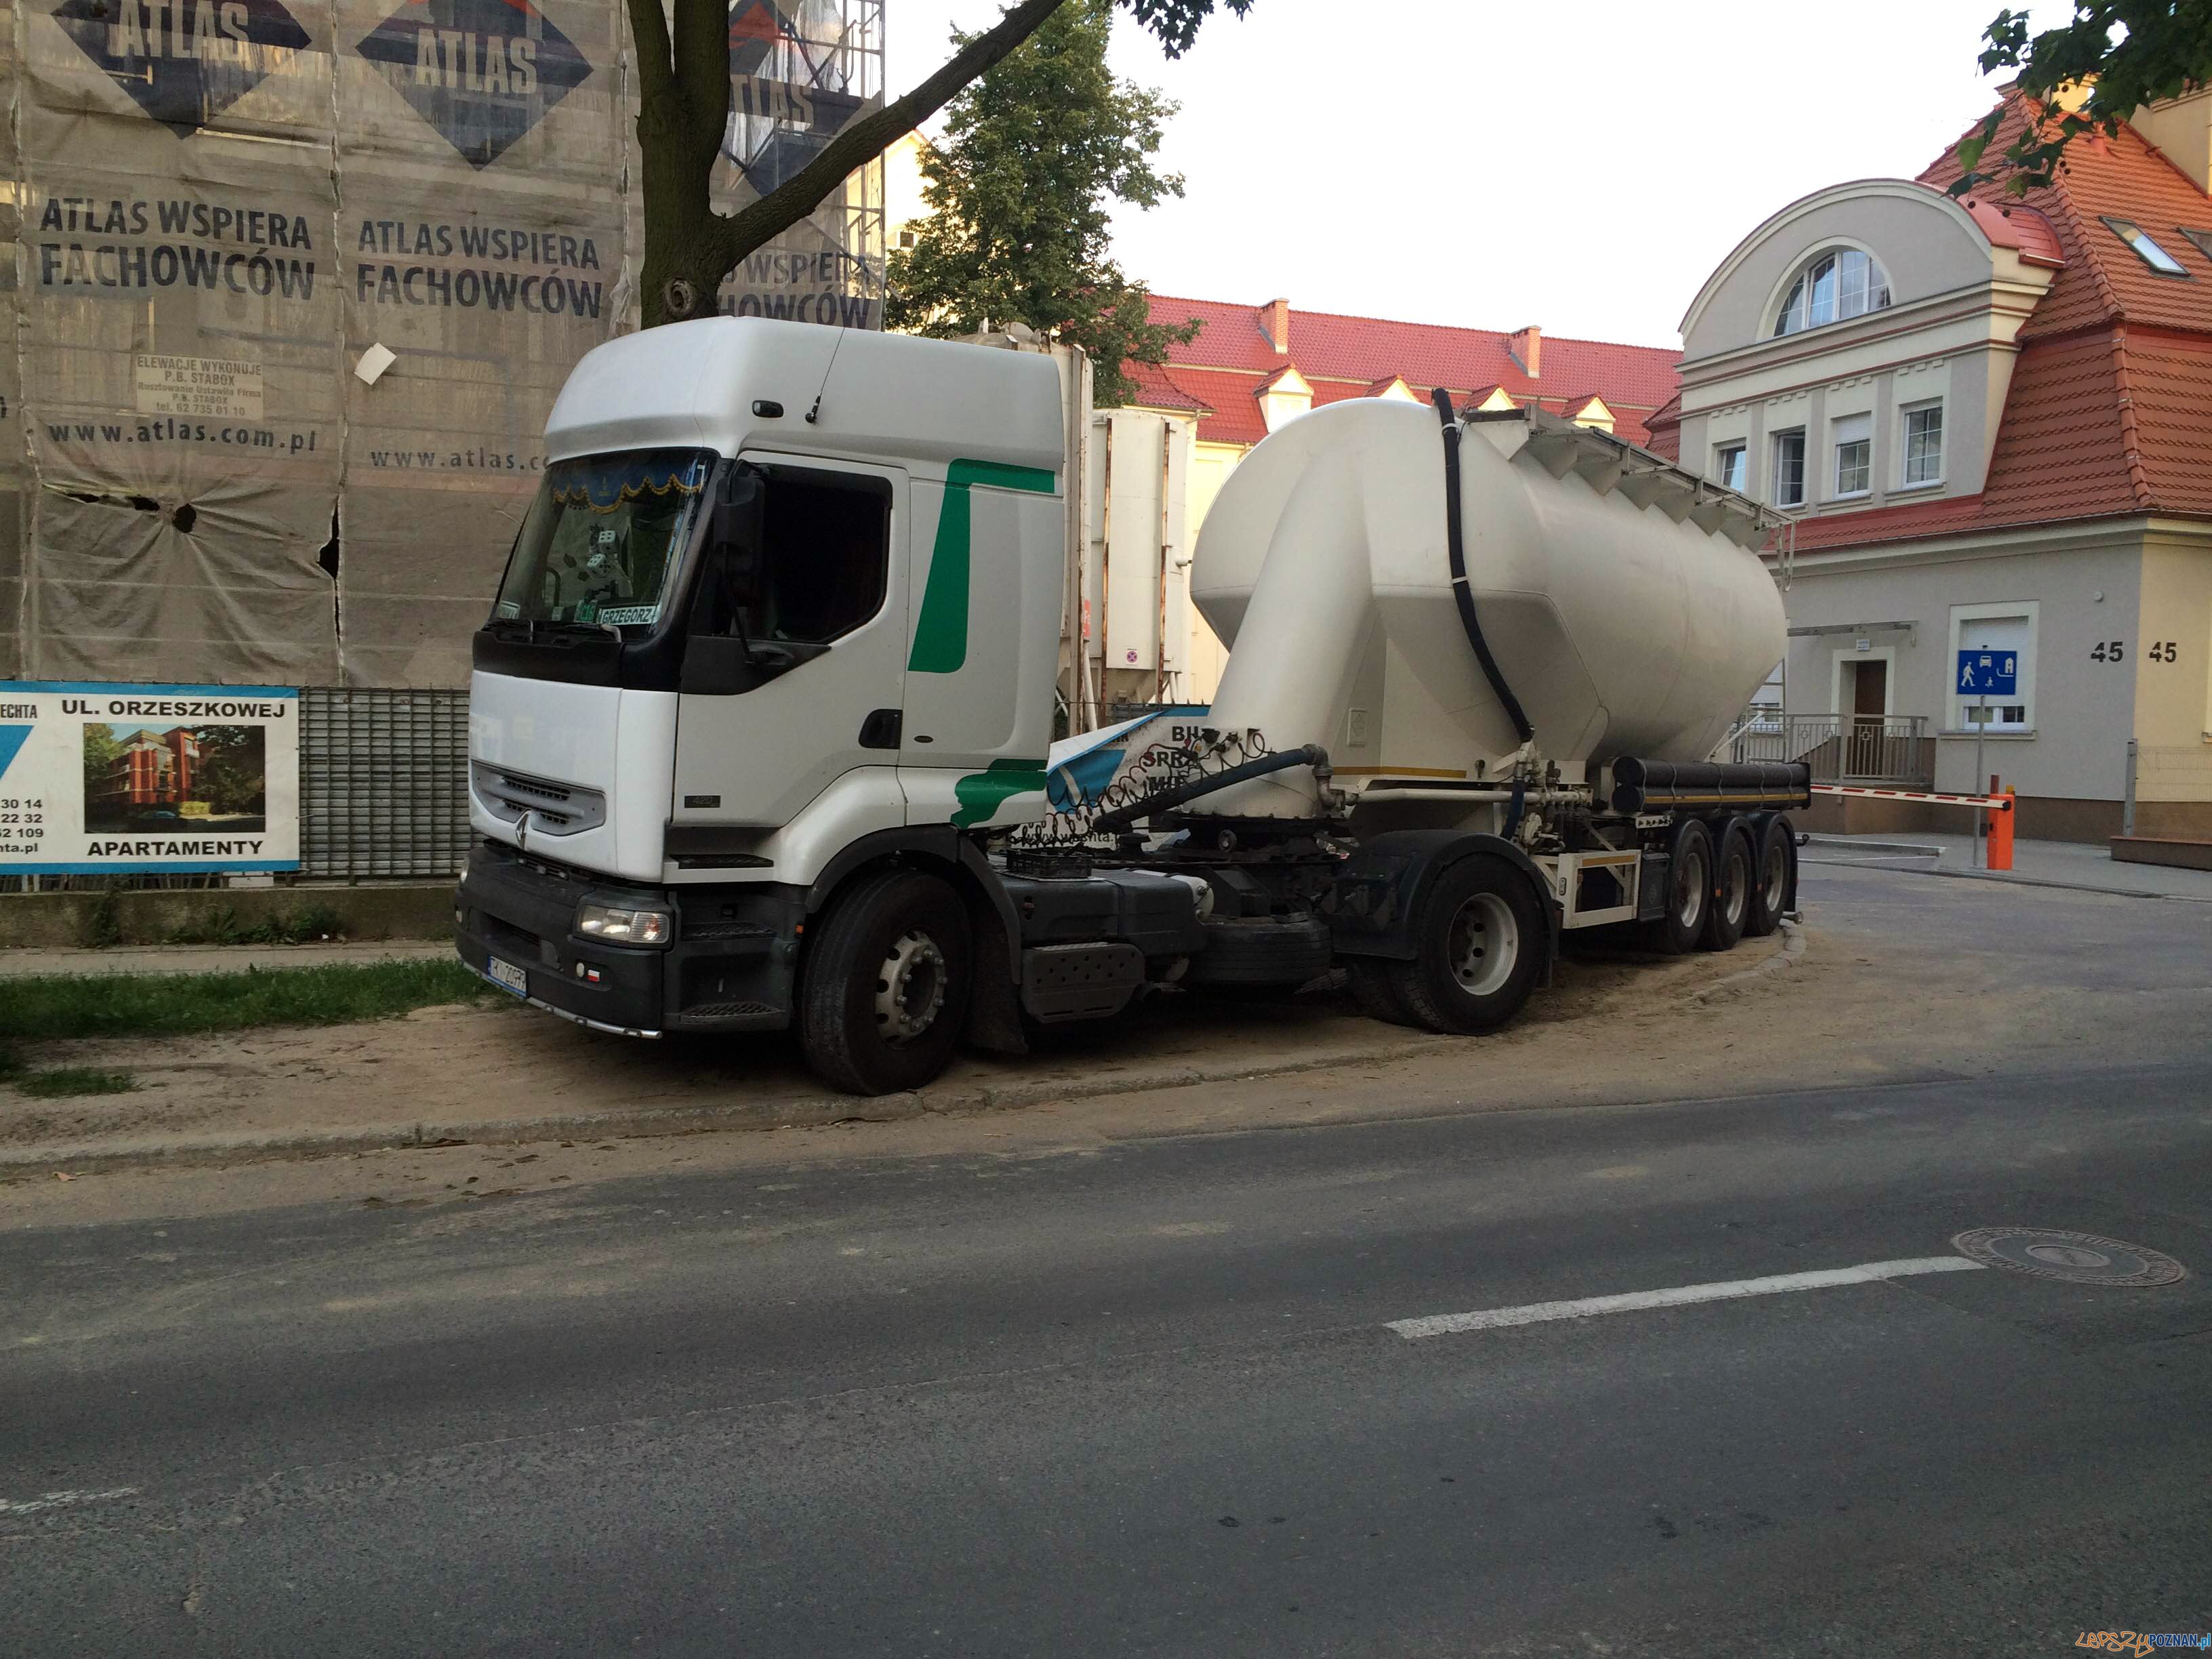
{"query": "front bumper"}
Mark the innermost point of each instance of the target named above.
(730, 966)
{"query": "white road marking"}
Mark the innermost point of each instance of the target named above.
(1536, 1313)
(55, 1500)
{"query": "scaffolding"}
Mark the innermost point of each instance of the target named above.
(802, 70)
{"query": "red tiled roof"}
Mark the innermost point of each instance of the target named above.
(2110, 409)
(1156, 389)
(2018, 227)
(1343, 357)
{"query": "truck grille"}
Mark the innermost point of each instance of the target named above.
(551, 808)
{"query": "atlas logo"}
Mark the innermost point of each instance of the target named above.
(787, 97)
(482, 72)
(184, 62)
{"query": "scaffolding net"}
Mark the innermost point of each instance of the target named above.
(222, 208)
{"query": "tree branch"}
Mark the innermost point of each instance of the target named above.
(751, 226)
(702, 67)
(655, 70)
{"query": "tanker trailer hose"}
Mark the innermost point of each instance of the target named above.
(1455, 541)
(1281, 761)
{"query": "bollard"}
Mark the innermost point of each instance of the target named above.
(2000, 824)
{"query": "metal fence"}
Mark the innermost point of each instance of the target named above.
(383, 783)
(1894, 749)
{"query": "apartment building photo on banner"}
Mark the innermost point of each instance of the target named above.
(223, 211)
(1990, 416)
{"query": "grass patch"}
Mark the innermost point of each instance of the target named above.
(49, 1008)
(58, 1081)
(301, 926)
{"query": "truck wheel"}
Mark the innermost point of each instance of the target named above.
(884, 988)
(1731, 905)
(1376, 996)
(1689, 891)
(1479, 940)
(1774, 882)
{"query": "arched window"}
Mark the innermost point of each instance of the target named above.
(1834, 287)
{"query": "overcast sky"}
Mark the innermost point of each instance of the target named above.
(1582, 165)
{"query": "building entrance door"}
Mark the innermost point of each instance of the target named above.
(1864, 746)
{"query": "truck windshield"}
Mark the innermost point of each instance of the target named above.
(603, 539)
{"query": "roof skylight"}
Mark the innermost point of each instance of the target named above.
(2146, 250)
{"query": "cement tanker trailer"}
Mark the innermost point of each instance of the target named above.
(759, 728)
(1518, 695)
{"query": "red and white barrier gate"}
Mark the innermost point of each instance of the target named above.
(1999, 808)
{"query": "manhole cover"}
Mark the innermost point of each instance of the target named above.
(2077, 1258)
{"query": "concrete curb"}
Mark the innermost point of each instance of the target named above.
(1999, 878)
(790, 1112)
(1852, 843)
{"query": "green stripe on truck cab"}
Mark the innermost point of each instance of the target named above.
(940, 633)
(982, 794)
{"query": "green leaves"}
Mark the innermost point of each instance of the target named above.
(2162, 48)
(1034, 156)
(1176, 22)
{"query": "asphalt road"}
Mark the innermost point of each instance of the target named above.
(1146, 1399)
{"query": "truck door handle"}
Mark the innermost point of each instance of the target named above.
(881, 729)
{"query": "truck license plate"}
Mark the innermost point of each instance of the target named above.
(509, 976)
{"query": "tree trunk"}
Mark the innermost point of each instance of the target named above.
(684, 86)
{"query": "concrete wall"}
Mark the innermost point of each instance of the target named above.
(161, 916)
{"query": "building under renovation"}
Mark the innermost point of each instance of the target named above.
(231, 215)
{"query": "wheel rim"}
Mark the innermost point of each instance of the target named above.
(1690, 887)
(1484, 945)
(1774, 878)
(1735, 890)
(909, 988)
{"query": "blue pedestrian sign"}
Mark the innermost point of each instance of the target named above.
(1996, 672)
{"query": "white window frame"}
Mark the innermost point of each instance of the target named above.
(1836, 447)
(1774, 450)
(1904, 414)
(1955, 703)
(1733, 446)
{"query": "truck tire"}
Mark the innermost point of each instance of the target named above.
(1774, 877)
(1689, 891)
(1730, 908)
(1376, 996)
(883, 989)
(1479, 941)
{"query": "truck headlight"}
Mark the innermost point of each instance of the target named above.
(603, 921)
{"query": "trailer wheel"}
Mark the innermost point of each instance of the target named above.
(1732, 884)
(1689, 890)
(1774, 877)
(884, 988)
(1377, 997)
(1480, 940)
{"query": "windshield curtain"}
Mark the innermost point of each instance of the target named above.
(603, 539)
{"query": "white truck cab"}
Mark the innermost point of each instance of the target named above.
(759, 721)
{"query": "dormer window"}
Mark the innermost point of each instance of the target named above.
(2146, 250)
(1833, 288)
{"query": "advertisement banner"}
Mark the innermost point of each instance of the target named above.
(98, 778)
(218, 209)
